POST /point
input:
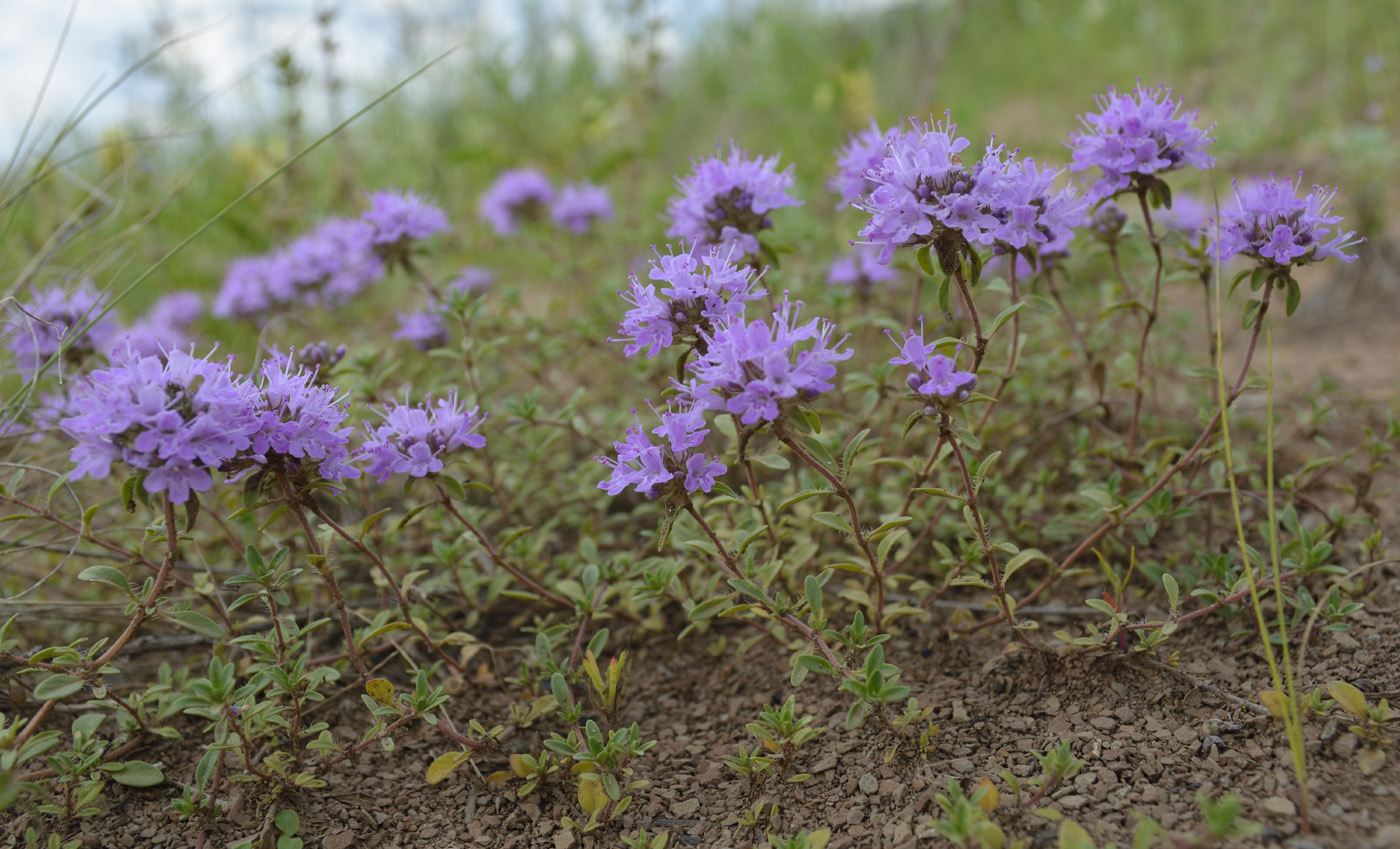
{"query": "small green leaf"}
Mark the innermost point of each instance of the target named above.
(835, 521)
(1251, 312)
(134, 773)
(58, 686)
(1294, 295)
(945, 298)
(197, 622)
(1021, 559)
(710, 608)
(921, 254)
(287, 822)
(940, 493)
(748, 588)
(803, 496)
(106, 575)
(1173, 591)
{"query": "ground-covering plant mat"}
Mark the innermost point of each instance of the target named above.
(1151, 741)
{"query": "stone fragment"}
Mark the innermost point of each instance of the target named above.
(1279, 806)
(685, 808)
(868, 784)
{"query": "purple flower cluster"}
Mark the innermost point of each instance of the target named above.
(400, 220)
(299, 424)
(1134, 137)
(1031, 212)
(925, 194)
(672, 467)
(55, 312)
(863, 151)
(725, 202)
(697, 295)
(935, 379)
(333, 262)
(1273, 226)
(860, 269)
(520, 194)
(579, 205)
(176, 419)
(326, 266)
(413, 439)
(755, 369)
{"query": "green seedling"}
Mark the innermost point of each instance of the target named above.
(288, 823)
(600, 764)
(1371, 726)
(642, 840)
(1057, 765)
(534, 770)
(606, 688)
(875, 687)
(31, 841)
(1223, 821)
(804, 839)
(914, 729)
(781, 733)
(965, 823)
(752, 765)
(762, 814)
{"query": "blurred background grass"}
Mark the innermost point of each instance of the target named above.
(1291, 85)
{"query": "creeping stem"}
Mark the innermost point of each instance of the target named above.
(144, 610)
(877, 578)
(945, 432)
(323, 568)
(393, 585)
(979, 349)
(1146, 325)
(1113, 522)
(726, 562)
(518, 574)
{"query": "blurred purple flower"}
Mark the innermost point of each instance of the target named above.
(860, 269)
(519, 194)
(863, 151)
(473, 279)
(579, 205)
(37, 329)
(398, 220)
(164, 327)
(426, 329)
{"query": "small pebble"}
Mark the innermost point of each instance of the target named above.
(1279, 806)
